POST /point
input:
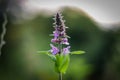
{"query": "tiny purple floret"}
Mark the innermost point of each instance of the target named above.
(66, 50)
(65, 41)
(54, 49)
(56, 34)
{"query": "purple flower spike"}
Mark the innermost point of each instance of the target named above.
(54, 49)
(66, 50)
(60, 36)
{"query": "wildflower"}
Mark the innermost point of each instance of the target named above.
(60, 45)
(60, 38)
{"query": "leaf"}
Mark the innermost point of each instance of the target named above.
(62, 62)
(58, 62)
(52, 57)
(65, 64)
(77, 52)
(49, 54)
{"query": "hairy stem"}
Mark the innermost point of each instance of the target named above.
(2, 43)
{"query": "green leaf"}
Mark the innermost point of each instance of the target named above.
(77, 52)
(52, 57)
(58, 62)
(62, 62)
(65, 64)
(49, 54)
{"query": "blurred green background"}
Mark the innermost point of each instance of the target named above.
(20, 60)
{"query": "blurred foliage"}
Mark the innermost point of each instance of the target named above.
(20, 61)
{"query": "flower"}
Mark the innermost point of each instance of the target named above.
(60, 37)
(66, 50)
(56, 40)
(65, 41)
(54, 49)
(56, 34)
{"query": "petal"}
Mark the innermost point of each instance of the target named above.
(54, 49)
(66, 50)
(56, 34)
(65, 41)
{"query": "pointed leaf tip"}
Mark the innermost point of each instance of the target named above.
(78, 52)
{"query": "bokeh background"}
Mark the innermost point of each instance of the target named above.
(30, 23)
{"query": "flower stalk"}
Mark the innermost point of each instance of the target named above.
(60, 37)
(60, 49)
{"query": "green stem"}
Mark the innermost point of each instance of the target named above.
(60, 76)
